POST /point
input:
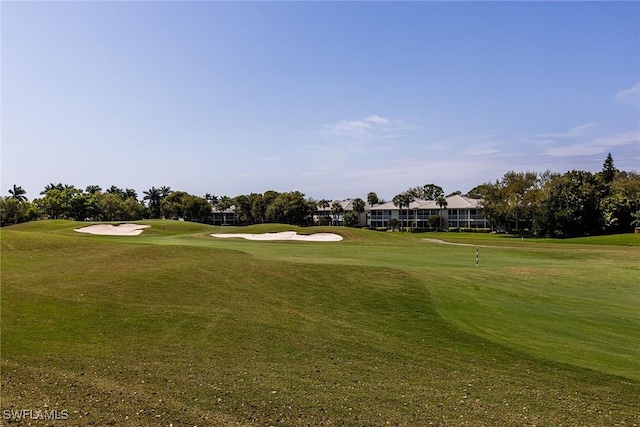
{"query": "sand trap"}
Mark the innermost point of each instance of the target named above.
(113, 230)
(286, 235)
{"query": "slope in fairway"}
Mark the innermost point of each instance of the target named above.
(174, 327)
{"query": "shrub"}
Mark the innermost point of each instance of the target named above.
(475, 230)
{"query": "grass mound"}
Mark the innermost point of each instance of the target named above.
(177, 327)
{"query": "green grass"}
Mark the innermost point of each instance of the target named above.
(177, 327)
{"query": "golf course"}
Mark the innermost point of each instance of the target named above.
(176, 327)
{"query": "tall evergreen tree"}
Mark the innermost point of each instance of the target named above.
(608, 170)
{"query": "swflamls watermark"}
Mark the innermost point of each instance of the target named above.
(35, 414)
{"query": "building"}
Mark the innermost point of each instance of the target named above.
(325, 216)
(226, 217)
(457, 212)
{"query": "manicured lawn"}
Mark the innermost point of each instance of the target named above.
(177, 327)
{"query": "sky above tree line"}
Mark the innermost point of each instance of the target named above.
(334, 99)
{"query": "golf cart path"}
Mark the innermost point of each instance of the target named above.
(442, 242)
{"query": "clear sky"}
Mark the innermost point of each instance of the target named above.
(334, 99)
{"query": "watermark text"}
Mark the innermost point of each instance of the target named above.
(35, 414)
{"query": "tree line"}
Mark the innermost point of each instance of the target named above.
(575, 203)
(63, 201)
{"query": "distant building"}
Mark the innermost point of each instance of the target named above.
(459, 211)
(227, 217)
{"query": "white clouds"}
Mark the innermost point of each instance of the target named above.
(595, 146)
(584, 140)
(367, 129)
(377, 119)
(629, 96)
(574, 132)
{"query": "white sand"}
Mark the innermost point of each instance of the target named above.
(113, 230)
(286, 235)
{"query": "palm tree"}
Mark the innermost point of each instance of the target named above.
(117, 191)
(18, 193)
(212, 199)
(336, 210)
(324, 204)
(130, 193)
(358, 207)
(442, 202)
(408, 199)
(398, 201)
(372, 199)
(223, 205)
(52, 186)
(165, 191)
(154, 196)
(92, 189)
(401, 200)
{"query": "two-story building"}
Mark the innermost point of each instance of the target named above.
(457, 211)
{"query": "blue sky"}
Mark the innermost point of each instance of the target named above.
(334, 99)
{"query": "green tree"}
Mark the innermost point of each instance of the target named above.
(290, 208)
(358, 207)
(12, 211)
(223, 205)
(336, 211)
(132, 209)
(608, 172)
(403, 200)
(398, 201)
(513, 199)
(255, 203)
(81, 205)
(52, 186)
(242, 205)
(434, 221)
(117, 191)
(324, 204)
(432, 192)
(130, 193)
(173, 205)
(621, 200)
(426, 192)
(51, 204)
(372, 199)
(479, 191)
(636, 218)
(111, 207)
(571, 206)
(211, 198)
(442, 203)
(18, 193)
(351, 219)
(91, 189)
(196, 208)
(165, 191)
(154, 199)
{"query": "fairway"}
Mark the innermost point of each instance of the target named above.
(176, 327)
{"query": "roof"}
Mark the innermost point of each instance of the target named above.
(453, 202)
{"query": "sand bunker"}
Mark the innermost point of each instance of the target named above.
(113, 230)
(286, 235)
